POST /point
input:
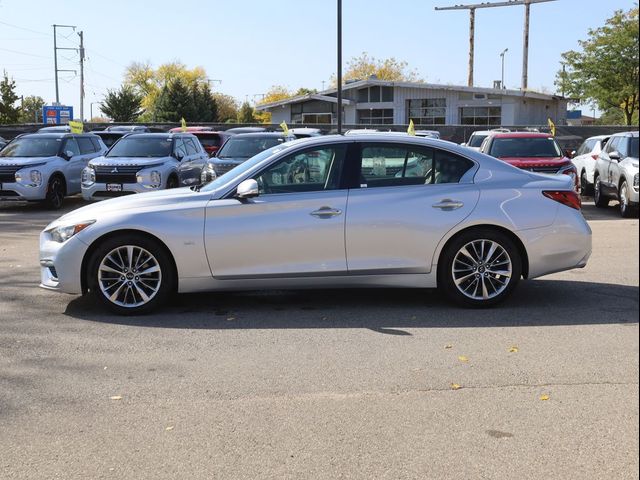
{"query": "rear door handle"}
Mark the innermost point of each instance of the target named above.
(326, 212)
(448, 204)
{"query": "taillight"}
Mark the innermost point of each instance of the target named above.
(595, 156)
(566, 197)
(573, 173)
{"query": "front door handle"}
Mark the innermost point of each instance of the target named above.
(448, 204)
(326, 212)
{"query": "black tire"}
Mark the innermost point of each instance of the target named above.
(54, 198)
(626, 210)
(164, 288)
(446, 281)
(172, 181)
(598, 198)
(586, 189)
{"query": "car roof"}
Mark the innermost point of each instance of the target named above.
(260, 135)
(625, 134)
(158, 134)
(56, 134)
(521, 135)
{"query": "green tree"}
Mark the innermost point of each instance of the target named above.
(124, 105)
(227, 107)
(31, 109)
(176, 101)
(605, 71)
(204, 105)
(245, 114)
(8, 97)
(390, 69)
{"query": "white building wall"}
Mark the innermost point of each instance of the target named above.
(281, 114)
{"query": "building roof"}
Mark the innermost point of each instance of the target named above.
(326, 94)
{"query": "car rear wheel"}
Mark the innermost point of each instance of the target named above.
(131, 274)
(480, 268)
(626, 210)
(55, 193)
(599, 199)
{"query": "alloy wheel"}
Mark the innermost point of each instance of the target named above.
(129, 276)
(481, 269)
(624, 205)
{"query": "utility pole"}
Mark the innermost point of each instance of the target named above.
(339, 67)
(502, 76)
(81, 52)
(472, 18)
(55, 56)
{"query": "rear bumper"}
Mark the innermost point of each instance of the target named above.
(564, 245)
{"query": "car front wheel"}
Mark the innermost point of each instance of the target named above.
(598, 198)
(131, 274)
(480, 268)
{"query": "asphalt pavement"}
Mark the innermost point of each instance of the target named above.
(323, 384)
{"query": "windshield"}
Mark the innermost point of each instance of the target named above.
(32, 147)
(633, 147)
(247, 147)
(476, 140)
(539, 147)
(222, 180)
(146, 146)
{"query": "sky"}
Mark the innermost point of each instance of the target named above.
(250, 45)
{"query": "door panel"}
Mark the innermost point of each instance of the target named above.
(277, 235)
(397, 229)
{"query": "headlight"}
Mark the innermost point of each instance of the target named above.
(88, 176)
(151, 179)
(34, 179)
(156, 179)
(65, 232)
(208, 174)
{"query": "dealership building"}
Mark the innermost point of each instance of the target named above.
(378, 102)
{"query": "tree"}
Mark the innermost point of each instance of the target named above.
(605, 72)
(124, 105)
(390, 69)
(227, 107)
(8, 97)
(31, 109)
(204, 105)
(175, 102)
(245, 114)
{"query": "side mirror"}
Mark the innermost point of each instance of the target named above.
(247, 189)
(463, 144)
(67, 154)
(615, 156)
(569, 153)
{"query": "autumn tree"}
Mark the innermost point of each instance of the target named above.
(124, 105)
(245, 114)
(227, 107)
(390, 69)
(31, 109)
(8, 97)
(605, 71)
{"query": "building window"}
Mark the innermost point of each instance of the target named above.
(376, 116)
(427, 111)
(375, 94)
(480, 116)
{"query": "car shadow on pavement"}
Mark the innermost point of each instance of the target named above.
(591, 212)
(535, 303)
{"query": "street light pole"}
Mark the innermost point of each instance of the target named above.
(339, 79)
(502, 78)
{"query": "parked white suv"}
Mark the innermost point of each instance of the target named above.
(46, 167)
(616, 173)
(584, 159)
(145, 162)
(477, 137)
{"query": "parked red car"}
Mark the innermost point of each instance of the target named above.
(536, 152)
(212, 141)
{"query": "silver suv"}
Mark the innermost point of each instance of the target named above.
(616, 173)
(145, 162)
(46, 167)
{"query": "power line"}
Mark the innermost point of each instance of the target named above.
(22, 53)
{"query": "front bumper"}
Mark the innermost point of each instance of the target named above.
(21, 192)
(61, 264)
(98, 191)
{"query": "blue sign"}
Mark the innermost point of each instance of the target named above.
(56, 114)
(574, 114)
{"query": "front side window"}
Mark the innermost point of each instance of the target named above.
(534, 147)
(32, 147)
(391, 165)
(71, 147)
(308, 171)
(178, 148)
(142, 146)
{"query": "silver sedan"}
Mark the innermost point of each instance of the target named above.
(337, 211)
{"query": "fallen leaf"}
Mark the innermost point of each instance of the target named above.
(447, 347)
(544, 397)
(455, 386)
(513, 349)
(462, 358)
(169, 428)
(116, 397)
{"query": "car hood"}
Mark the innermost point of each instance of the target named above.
(25, 161)
(128, 161)
(528, 162)
(131, 204)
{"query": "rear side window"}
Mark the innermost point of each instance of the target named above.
(86, 145)
(96, 143)
(397, 165)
